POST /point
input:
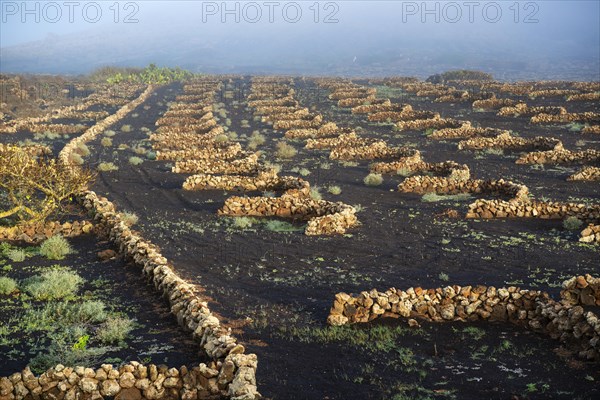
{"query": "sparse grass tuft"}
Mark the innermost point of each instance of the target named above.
(304, 171)
(7, 285)
(373, 179)
(130, 218)
(221, 138)
(434, 197)
(242, 223)
(135, 160)
(315, 193)
(443, 277)
(75, 158)
(285, 150)
(405, 172)
(56, 248)
(256, 139)
(107, 167)
(335, 190)
(16, 255)
(276, 225)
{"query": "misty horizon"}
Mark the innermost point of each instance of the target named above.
(512, 40)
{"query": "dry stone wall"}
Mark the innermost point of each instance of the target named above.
(37, 233)
(231, 373)
(565, 320)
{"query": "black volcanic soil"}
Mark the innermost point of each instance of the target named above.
(276, 288)
(156, 337)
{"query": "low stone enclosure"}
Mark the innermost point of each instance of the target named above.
(106, 95)
(224, 165)
(230, 373)
(560, 156)
(511, 200)
(506, 141)
(37, 233)
(324, 217)
(565, 320)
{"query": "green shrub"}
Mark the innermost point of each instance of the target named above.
(151, 155)
(7, 285)
(107, 167)
(285, 150)
(232, 135)
(75, 158)
(130, 218)
(55, 248)
(109, 133)
(126, 128)
(276, 225)
(243, 222)
(315, 193)
(114, 330)
(52, 285)
(106, 142)
(335, 190)
(221, 138)
(91, 311)
(16, 255)
(256, 139)
(82, 150)
(304, 171)
(373, 179)
(135, 160)
(572, 223)
(405, 172)
(434, 197)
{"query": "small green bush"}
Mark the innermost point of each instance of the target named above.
(232, 135)
(335, 190)
(151, 155)
(82, 150)
(276, 225)
(109, 133)
(75, 158)
(434, 197)
(285, 150)
(7, 285)
(243, 222)
(221, 138)
(114, 330)
(106, 142)
(126, 128)
(373, 179)
(16, 255)
(304, 171)
(55, 284)
(55, 248)
(405, 172)
(572, 223)
(256, 139)
(135, 160)
(315, 193)
(92, 311)
(130, 218)
(107, 167)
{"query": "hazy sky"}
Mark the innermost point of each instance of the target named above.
(315, 28)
